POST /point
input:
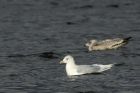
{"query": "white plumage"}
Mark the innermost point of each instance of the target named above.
(74, 69)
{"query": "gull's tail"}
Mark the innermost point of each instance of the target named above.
(125, 40)
(109, 66)
(118, 64)
(105, 67)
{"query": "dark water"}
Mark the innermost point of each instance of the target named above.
(36, 34)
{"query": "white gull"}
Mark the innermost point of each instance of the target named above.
(74, 69)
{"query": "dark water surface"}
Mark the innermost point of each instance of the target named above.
(36, 34)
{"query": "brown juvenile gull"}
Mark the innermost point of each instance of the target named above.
(74, 69)
(107, 43)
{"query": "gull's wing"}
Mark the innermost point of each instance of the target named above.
(85, 69)
(110, 42)
(95, 68)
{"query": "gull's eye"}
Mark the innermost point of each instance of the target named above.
(67, 58)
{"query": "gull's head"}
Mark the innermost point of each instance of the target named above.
(91, 42)
(67, 59)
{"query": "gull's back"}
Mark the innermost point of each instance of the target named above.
(95, 68)
(108, 44)
(86, 69)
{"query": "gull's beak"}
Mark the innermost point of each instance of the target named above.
(87, 44)
(61, 62)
